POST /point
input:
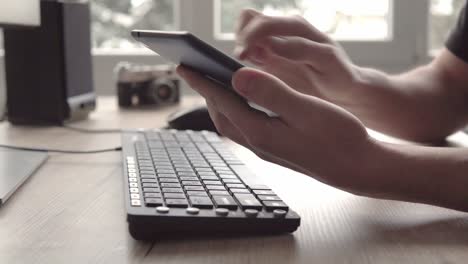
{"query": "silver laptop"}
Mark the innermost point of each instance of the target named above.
(15, 168)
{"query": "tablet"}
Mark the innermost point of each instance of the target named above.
(183, 48)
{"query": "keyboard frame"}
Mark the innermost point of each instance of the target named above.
(147, 224)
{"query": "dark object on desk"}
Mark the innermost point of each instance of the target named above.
(182, 183)
(15, 168)
(196, 118)
(49, 68)
(146, 85)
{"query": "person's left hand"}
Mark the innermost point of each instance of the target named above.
(310, 135)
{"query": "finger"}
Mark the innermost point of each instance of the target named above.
(300, 50)
(262, 26)
(246, 119)
(271, 93)
(245, 17)
(225, 127)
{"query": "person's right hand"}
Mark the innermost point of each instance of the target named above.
(299, 54)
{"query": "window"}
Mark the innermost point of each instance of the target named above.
(443, 16)
(112, 20)
(342, 19)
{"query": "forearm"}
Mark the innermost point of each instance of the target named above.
(429, 175)
(422, 105)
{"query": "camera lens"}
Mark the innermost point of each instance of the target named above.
(163, 89)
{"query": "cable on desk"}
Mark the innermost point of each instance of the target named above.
(61, 150)
(92, 131)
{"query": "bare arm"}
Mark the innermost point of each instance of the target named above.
(430, 175)
(426, 104)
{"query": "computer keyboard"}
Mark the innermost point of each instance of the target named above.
(189, 183)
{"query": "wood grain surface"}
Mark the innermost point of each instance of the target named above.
(72, 211)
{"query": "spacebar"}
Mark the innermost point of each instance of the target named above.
(246, 175)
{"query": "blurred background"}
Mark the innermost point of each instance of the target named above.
(392, 35)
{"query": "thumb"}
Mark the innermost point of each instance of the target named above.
(269, 92)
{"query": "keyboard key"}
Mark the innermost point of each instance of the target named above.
(210, 178)
(184, 170)
(237, 181)
(272, 205)
(248, 201)
(168, 180)
(172, 190)
(197, 193)
(219, 193)
(152, 195)
(174, 195)
(194, 188)
(207, 174)
(203, 169)
(136, 203)
(167, 175)
(225, 202)
(150, 185)
(180, 203)
(134, 190)
(239, 190)
(189, 174)
(222, 169)
(166, 171)
(227, 176)
(149, 180)
(188, 178)
(263, 192)
(235, 186)
(150, 189)
(147, 172)
(259, 187)
(170, 185)
(153, 202)
(133, 185)
(208, 182)
(163, 166)
(216, 187)
(269, 198)
(191, 183)
(201, 202)
(147, 176)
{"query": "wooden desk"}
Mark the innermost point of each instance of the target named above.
(72, 211)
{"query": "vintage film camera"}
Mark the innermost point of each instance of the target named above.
(146, 85)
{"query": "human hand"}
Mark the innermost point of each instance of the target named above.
(310, 135)
(299, 54)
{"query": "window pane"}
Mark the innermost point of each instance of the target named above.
(112, 20)
(443, 17)
(342, 19)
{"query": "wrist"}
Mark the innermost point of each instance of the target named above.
(357, 173)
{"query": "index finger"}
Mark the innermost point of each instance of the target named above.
(244, 18)
(262, 27)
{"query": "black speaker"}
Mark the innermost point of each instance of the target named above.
(49, 68)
